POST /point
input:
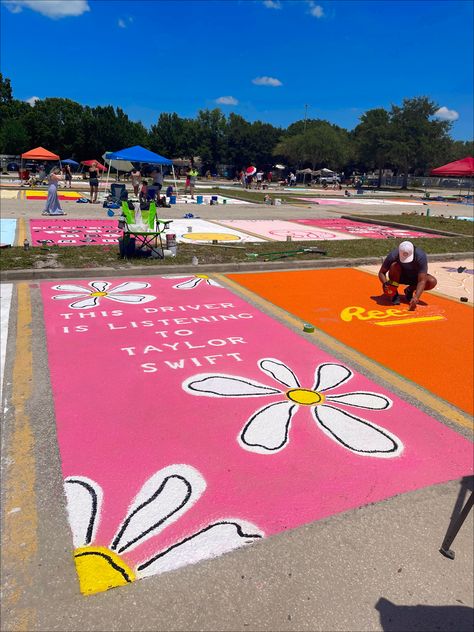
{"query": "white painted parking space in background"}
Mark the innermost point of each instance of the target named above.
(5, 302)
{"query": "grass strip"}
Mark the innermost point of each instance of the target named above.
(459, 226)
(108, 256)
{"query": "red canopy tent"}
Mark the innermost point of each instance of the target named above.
(89, 163)
(464, 167)
(40, 153)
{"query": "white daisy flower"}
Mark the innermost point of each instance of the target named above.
(267, 430)
(97, 290)
(164, 498)
(192, 282)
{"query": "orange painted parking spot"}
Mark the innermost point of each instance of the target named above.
(432, 346)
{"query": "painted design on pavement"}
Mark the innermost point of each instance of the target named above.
(74, 232)
(359, 201)
(117, 372)
(8, 195)
(266, 432)
(97, 290)
(62, 195)
(5, 302)
(426, 346)
(203, 231)
(7, 231)
(191, 281)
(363, 230)
(165, 497)
(279, 230)
(455, 278)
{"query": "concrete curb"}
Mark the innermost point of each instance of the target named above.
(419, 229)
(253, 266)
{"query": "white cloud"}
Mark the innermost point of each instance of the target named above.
(315, 10)
(267, 81)
(227, 100)
(272, 4)
(32, 101)
(447, 115)
(122, 24)
(54, 9)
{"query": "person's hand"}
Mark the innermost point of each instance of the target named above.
(413, 304)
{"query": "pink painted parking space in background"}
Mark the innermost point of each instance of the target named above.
(190, 423)
(279, 230)
(74, 232)
(361, 229)
(360, 201)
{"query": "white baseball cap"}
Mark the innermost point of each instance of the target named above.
(406, 252)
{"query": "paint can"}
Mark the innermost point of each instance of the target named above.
(215, 199)
(390, 288)
(172, 199)
(288, 238)
(307, 328)
(171, 244)
(198, 199)
(190, 229)
(224, 201)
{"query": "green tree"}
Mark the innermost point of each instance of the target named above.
(14, 138)
(167, 135)
(372, 140)
(318, 143)
(6, 94)
(417, 140)
(210, 130)
(237, 141)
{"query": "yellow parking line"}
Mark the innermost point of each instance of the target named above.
(19, 541)
(410, 388)
(21, 232)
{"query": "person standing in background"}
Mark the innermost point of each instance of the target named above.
(94, 182)
(67, 176)
(135, 177)
(53, 207)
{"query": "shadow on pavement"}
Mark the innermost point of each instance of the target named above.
(394, 618)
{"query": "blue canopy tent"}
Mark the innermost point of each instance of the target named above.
(141, 155)
(71, 162)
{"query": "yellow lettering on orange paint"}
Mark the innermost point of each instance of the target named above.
(354, 311)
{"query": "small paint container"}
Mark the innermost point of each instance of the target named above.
(308, 328)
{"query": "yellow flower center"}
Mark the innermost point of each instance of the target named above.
(305, 396)
(100, 569)
(98, 293)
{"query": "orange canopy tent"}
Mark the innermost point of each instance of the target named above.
(40, 153)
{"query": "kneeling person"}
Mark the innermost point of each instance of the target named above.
(406, 265)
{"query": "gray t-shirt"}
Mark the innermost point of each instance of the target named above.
(412, 269)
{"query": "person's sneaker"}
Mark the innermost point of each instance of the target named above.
(396, 299)
(408, 291)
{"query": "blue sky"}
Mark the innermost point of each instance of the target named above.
(263, 59)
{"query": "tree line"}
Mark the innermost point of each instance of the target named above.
(408, 138)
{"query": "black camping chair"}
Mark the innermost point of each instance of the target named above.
(118, 193)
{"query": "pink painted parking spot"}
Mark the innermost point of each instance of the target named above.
(279, 230)
(362, 229)
(190, 423)
(74, 232)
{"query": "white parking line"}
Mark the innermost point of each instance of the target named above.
(5, 302)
